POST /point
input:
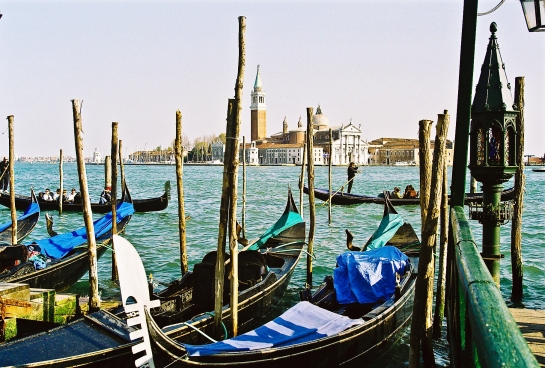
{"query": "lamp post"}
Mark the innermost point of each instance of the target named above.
(493, 142)
(534, 12)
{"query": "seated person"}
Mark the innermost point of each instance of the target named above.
(396, 193)
(105, 196)
(57, 194)
(410, 192)
(64, 195)
(46, 196)
(70, 197)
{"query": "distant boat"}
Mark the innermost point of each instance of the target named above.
(140, 205)
(541, 169)
(404, 163)
(214, 162)
(343, 198)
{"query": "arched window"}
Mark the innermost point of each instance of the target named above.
(494, 145)
(510, 146)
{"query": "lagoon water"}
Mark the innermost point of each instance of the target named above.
(155, 234)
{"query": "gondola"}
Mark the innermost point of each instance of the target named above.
(102, 338)
(140, 205)
(341, 198)
(25, 223)
(319, 331)
(64, 261)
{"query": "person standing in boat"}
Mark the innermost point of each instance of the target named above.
(352, 171)
(4, 173)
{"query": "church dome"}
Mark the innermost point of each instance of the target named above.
(320, 121)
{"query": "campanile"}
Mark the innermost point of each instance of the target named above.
(259, 110)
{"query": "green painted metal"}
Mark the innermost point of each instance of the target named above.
(491, 232)
(463, 110)
(482, 331)
(493, 139)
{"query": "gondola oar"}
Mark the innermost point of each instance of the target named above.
(341, 188)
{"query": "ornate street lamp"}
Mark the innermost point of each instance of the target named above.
(534, 12)
(492, 149)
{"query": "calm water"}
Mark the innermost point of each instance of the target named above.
(155, 235)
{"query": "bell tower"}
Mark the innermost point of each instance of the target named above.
(259, 110)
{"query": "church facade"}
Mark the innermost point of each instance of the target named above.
(286, 147)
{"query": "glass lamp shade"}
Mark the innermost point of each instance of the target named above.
(534, 12)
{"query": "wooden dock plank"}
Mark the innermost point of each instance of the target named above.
(532, 325)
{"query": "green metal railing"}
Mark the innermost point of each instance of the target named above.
(481, 330)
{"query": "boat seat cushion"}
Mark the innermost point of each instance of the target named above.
(203, 285)
(251, 269)
(301, 323)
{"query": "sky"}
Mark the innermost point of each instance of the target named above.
(385, 65)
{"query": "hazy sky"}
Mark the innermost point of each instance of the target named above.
(384, 64)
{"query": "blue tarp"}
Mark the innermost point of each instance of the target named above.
(368, 277)
(58, 246)
(31, 210)
(301, 323)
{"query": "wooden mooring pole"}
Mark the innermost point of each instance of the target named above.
(233, 243)
(243, 215)
(520, 181)
(180, 187)
(439, 312)
(425, 167)
(12, 180)
(312, 208)
(113, 192)
(421, 323)
(107, 171)
(330, 173)
(228, 208)
(61, 185)
(121, 167)
(94, 300)
(224, 217)
(473, 185)
(302, 179)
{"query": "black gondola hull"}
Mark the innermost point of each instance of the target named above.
(59, 276)
(62, 273)
(363, 342)
(140, 205)
(345, 199)
(255, 303)
(382, 326)
(25, 226)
